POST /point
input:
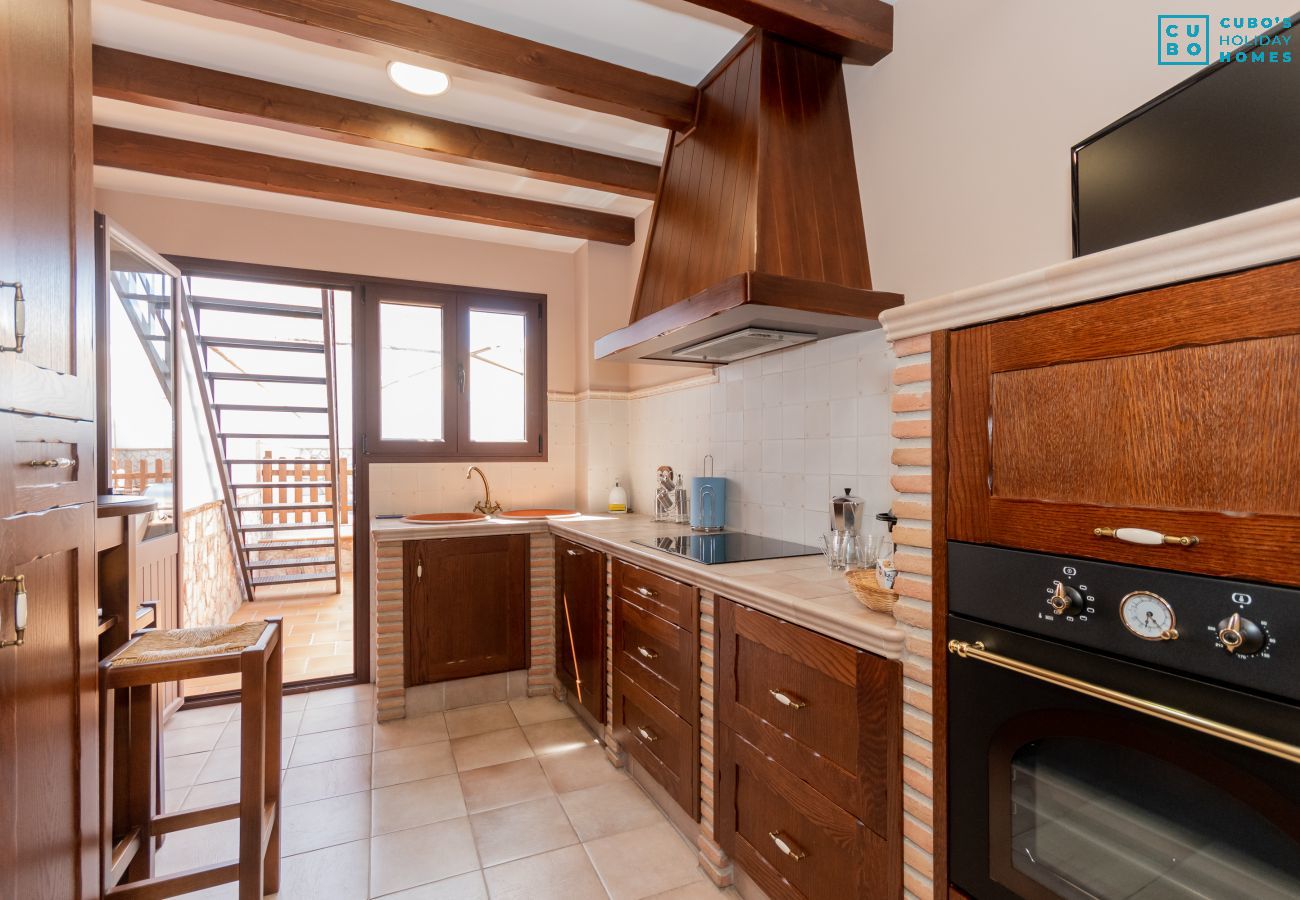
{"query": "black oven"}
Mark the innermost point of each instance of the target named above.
(1119, 732)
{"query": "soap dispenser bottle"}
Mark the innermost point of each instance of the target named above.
(617, 499)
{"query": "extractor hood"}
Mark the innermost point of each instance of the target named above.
(757, 225)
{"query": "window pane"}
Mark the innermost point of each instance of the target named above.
(410, 372)
(496, 376)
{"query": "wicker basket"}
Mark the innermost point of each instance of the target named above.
(869, 591)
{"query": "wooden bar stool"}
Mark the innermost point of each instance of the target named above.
(253, 650)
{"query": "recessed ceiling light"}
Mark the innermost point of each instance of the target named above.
(418, 79)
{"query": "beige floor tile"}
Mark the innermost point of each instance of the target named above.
(220, 766)
(524, 829)
(479, 719)
(328, 718)
(412, 764)
(212, 794)
(477, 690)
(198, 739)
(415, 803)
(564, 874)
(327, 779)
(327, 745)
(194, 847)
(357, 693)
(698, 890)
(417, 856)
(480, 750)
(289, 724)
(172, 799)
(204, 715)
(334, 873)
(469, 886)
(559, 736)
(532, 710)
(325, 823)
(410, 731)
(606, 809)
(293, 703)
(580, 769)
(643, 862)
(504, 784)
(180, 771)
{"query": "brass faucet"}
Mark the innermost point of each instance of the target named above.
(486, 505)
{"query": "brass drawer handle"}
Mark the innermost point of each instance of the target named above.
(573, 552)
(647, 652)
(786, 845)
(59, 462)
(647, 593)
(20, 317)
(646, 734)
(1146, 537)
(20, 608)
(785, 698)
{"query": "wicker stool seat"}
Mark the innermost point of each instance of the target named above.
(253, 650)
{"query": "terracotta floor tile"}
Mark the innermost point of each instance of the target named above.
(331, 717)
(579, 769)
(606, 809)
(326, 745)
(565, 874)
(532, 710)
(524, 829)
(643, 862)
(403, 859)
(413, 763)
(325, 823)
(413, 803)
(327, 779)
(504, 784)
(489, 749)
(559, 736)
(469, 886)
(409, 731)
(479, 719)
(698, 890)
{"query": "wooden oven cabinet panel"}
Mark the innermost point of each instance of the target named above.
(580, 624)
(1172, 410)
(841, 731)
(466, 607)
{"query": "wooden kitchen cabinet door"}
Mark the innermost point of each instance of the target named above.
(580, 624)
(1174, 410)
(466, 606)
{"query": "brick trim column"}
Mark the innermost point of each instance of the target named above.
(541, 612)
(388, 650)
(911, 479)
(715, 863)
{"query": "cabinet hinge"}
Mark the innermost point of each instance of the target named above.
(539, 442)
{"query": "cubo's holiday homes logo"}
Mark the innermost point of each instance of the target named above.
(1195, 40)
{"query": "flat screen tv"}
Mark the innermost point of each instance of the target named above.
(1224, 141)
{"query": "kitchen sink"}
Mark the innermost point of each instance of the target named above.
(448, 518)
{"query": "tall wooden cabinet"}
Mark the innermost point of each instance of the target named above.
(580, 624)
(49, 843)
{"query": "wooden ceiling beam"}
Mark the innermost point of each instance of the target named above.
(390, 30)
(120, 149)
(861, 31)
(164, 84)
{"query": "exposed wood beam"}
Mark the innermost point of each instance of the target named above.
(170, 85)
(389, 30)
(121, 149)
(861, 31)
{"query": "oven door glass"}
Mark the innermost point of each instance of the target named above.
(1098, 819)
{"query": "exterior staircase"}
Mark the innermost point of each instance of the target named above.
(269, 403)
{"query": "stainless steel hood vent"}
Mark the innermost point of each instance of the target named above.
(741, 344)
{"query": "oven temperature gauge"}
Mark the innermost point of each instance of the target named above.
(1149, 616)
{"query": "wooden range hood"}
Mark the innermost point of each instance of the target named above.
(758, 221)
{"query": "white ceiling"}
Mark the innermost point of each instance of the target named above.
(686, 42)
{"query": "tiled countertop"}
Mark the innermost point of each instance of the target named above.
(798, 589)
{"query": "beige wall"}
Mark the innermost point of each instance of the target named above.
(963, 133)
(223, 232)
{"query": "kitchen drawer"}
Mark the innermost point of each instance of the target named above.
(794, 842)
(658, 656)
(52, 461)
(828, 712)
(665, 745)
(666, 598)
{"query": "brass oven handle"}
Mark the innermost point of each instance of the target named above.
(647, 593)
(787, 846)
(20, 609)
(1248, 739)
(785, 698)
(1147, 537)
(59, 462)
(20, 317)
(647, 652)
(646, 734)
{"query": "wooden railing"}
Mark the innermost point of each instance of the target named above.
(132, 476)
(292, 474)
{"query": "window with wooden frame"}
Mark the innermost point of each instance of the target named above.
(454, 374)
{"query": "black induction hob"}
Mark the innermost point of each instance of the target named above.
(727, 547)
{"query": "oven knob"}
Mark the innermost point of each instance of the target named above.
(1241, 636)
(1065, 600)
